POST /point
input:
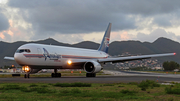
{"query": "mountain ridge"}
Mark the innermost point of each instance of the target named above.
(161, 45)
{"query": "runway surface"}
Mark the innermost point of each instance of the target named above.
(115, 77)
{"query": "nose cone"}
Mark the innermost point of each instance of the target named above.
(18, 58)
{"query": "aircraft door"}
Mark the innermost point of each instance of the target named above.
(39, 51)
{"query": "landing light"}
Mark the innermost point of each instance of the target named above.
(26, 68)
(69, 62)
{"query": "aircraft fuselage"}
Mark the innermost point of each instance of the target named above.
(39, 56)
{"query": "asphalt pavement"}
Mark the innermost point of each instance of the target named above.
(114, 77)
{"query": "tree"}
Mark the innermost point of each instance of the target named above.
(169, 66)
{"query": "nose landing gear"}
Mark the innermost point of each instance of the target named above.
(55, 74)
(26, 75)
(26, 69)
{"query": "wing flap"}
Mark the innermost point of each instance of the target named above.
(130, 58)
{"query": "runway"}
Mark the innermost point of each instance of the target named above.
(115, 77)
(140, 73)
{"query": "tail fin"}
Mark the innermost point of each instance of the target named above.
(105, 42)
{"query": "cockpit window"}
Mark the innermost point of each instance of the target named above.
(23, 50)
(27, 50)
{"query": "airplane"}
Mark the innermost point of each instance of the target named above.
(34, 57)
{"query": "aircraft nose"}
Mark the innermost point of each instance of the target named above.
(17, 57)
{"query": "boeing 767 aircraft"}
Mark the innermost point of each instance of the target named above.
(34, 57)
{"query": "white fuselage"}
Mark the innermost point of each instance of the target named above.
(49, 56)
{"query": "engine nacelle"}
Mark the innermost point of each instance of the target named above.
(92, 67)
(29, 70)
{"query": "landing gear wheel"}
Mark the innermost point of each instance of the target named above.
(26, 75)
(94, 74)
(90, 74)
(59, 74)
(56, 75)
(52, 75)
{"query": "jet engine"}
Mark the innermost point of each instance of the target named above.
(29, 70)
(92, 67)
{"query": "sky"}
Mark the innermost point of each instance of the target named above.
(73, 21)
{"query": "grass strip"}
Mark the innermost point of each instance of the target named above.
(79, 92)
(77, 84)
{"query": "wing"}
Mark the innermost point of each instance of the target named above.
(130, 58)
(9, 58)
(119, 59)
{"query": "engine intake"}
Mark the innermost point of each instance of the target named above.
(92, 67)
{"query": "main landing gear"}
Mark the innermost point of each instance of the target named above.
(90, 74)
(55, 74)
(26, 75)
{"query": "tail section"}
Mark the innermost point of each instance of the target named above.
(105, 42)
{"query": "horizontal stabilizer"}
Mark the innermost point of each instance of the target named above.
(9, 58)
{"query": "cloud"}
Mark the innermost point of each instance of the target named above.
(156, 34)
(4, 24)
(144, 7)
(121, 36)
(40, 19)
(70, 38)
(144, 37)
(70, 17)
(163, 21)
(2, 36)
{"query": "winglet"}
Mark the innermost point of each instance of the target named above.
(105, 42)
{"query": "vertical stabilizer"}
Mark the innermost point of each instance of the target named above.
(105, 42)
